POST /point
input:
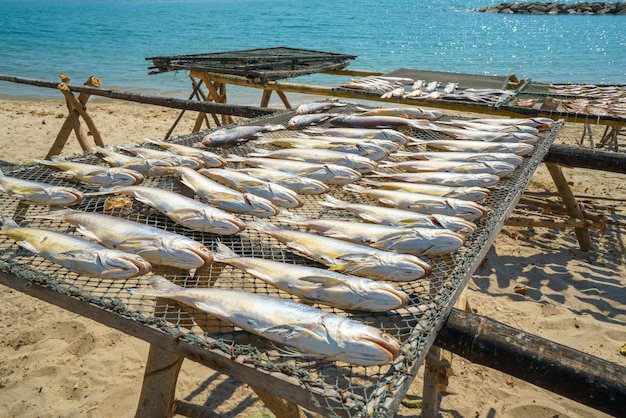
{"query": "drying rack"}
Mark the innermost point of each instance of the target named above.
(176, 332)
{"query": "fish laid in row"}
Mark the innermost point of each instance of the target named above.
(319, 156)
(466, 193)
(311, 331)
(318, 285)
(415, 241)
(328, 173)
(153, 244)
(317, 107)
(497, 168)
(509, 158)
(77, 254)
(403, 112)
(361, 133)
(210, 159)
(95, 174)
(183, 210)
(372, 150)
(223, 197)
(38, 192)
(154, 154)
(424, 203)
(277, 194)
(299, 184)
(460, 145)
(301, 121)
(401, 217)
(145, 166)
(346, 257)
(444, 178)
(228, 137)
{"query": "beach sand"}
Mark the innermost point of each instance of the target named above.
(56, 363)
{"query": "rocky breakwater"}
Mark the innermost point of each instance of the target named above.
(537, 8)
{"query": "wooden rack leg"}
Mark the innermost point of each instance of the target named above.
(431, 396)
(159, 384)
(582, 234)
(76, 107)
(70, 121)
(279, 406)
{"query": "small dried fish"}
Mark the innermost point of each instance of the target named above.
(356, 259)
(465, 193)
(155, 245)
(312, 332)
(300, 121)
(317, 107)
(145, 166)
(182, 210)
(38, 192)
(497, 168)
(232, 136)
(319, 285)
(366, 149)
(319, 156)
(509, 158)
(328, 173)
(76, 254)
(279, 195)
(224, 197)
(210, 159)
(445, 178)
(299, 184)
(362, 133)
(400, 217)
(174, 159)
(415, 241)
(460, 145)
(424, 203)
(95, 174)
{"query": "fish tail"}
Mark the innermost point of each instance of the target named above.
(355, 188)
(157, 286)
(333, 202)
(261, 225)
(291, 218)
(272, 128)
(258, 152)
(235, 158)
(8, 223)
(153, 141)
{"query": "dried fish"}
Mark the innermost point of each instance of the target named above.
(445, 178)
(95, 174)
(209, 158)
(232, 136)
(299, 184)
(466, 193)
(312, 332)
(319, 156)
(38, 192)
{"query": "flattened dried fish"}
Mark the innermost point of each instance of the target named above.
(231, 136)
(38, 192)
(95, 174)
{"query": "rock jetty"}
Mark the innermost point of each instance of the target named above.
(540, 8)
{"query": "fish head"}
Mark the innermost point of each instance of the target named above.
(63, 196)
(222, 223)
(260, 206)
(188, 252)
(125, 177)
(359, 343)
(403, 267)
(121, 265)
(381, 297)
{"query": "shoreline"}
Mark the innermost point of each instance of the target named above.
(58, 363)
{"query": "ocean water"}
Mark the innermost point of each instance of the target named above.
(111, 39)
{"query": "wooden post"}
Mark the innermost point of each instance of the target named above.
(582, 234)
(217, 92)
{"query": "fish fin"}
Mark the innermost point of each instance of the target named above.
(333, 202)
(387, 201)
(87, 233)
(157, 286)
(223, 252)
(272, 128)
(355, 188)
(261, 225)
(321, 281)
(8, 223)
(27, 245)
(258, 152)
(291, 331)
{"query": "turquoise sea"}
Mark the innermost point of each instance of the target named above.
(111, 39)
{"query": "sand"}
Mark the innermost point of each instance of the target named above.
(56, 363)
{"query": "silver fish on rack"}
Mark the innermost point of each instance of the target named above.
(145, 166)
(79, 255)
(424, 203)
(95, 174)
(223, 197)
(317, 107)
(155, 245)
(401, 217)
(209, 158)
(402, 112)
(367, 149)
(183, 210)
(347, 257)
(318, 285)
(319, 156)
(415, 241)
(299, 184)
(328, 173)
(461, 145)
(279, 195)
(509, 158)
(312, 332)
(497, 168)
(228, 137)
(445, 178)
(38, 192)
(300, 121)
(175, 159)
(361, 133)
(474, 193)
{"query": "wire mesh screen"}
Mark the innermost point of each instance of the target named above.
(338, 389)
